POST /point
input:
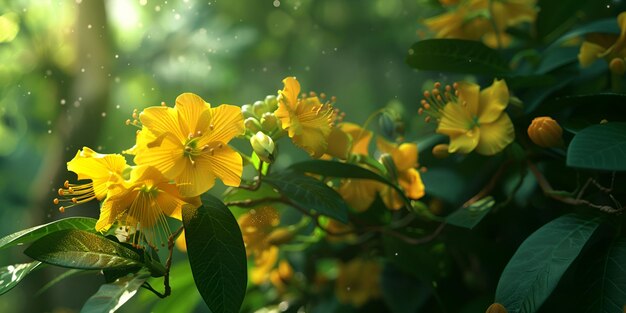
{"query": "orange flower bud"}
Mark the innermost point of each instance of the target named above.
(545, 132)
(496, 308)
(440, 151)
(617, 66)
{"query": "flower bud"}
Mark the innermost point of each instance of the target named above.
(390, 166)
(545, 132)
(259, 108)
(252, 124)
(272, 103)
(247, 111)
(269, 122)
(263, 146)
(617, 66)
(496, 308)
(280, 236)
(391, 124)
(440, 151)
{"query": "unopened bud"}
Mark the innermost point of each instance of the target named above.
(252, 124)
(247, 111)
(390, 166)
(440, 151)
(617, 66)
(496, 308)
(269, 122)
(391, 124)
(263, 146)
(545, 132)
(272, 103)
(259, 108)
(280, 236)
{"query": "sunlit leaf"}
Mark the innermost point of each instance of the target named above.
(541, 260)
(599, 147)
(309, 194)
(112, 296)
(457, 56)
(11, 275)
(470, 216)
(83, 250)
(34, 233)
(343, 170)
(216, 254)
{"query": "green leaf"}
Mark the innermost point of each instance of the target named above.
(343, 170)
(541, 260)
(605, 26)
(34, 233)
(599, 147)
(472, 215)
(309, 194)
(216, 254)
(554, 15)
(111, 297)
(605, 100)
(607, 290)
(11, 275)
(83, 250)
(458, 56)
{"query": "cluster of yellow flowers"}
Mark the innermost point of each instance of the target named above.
(178, 154)
(485, 20)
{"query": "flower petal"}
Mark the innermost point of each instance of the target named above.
(359, 193)
(466, 142)
(493, 100)
(226, 122)
(160, 120)
(168, 157)
(455, 120)
(411, 182)
(494, 137)
(339, 144)
(290, 92)
(226, 164)
(589, 53)
(469, 97)
(196, 178)
(193, 114)
(99, 168)
(360, 137)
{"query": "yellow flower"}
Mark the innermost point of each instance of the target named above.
(189, 143)
(358, 282)
(604, 46)
(281, 276)
(473, 119)
(404, 158)
(358, 193)
(142, 202)
(101, 169)
(307, 120)
(256, 226)
(471, 20)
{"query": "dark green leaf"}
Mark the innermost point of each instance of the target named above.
(606, 26)
(402, 293)
(591, 101)
(599, 147)
(456, 55)
(607, 290)
(343, 170)
(11, 275)
(472, 215)
(34, 233)
(554, 15)
(538, 264)
(83, 250)
(216, 254)
(309, 194)
(111, 297)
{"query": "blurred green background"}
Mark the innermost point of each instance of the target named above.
(71, 72)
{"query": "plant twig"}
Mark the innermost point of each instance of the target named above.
(490, 185)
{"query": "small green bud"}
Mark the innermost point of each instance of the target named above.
(391, 124)
(252, 125)
(263, 146)
(247, 111)
(269, 122)
(272, 103)
(259, 108)
(390, 166)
